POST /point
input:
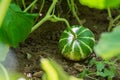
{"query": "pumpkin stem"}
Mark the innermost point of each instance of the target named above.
(55, 18)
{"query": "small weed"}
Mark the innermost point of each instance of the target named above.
(101, 68)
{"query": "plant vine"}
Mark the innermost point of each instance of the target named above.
(52, 17)
(111, 20)
(73, 9)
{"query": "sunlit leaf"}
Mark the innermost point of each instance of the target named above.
(101, 4)
(109, 44)
(16, 26)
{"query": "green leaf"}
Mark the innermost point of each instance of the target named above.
(4, 48)
(109, 44)
(102, 74)
(101, 4)
(92, 61)
(100, 66)
(83, 73)
(15, 7)
(16, 26)
(109, 73)
(100, 69)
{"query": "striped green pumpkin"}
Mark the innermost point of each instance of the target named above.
(79, 48)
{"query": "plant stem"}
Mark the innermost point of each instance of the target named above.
(67, 23)
(48, 15)
(39, 23)
(118, 17)
(91, 77)
(41, 8)
(4, 4)
(42, 5)
(74, 11)
(110, 19)
(5, 72)
(51, 7)
(68, 1)
(109, 13)
(24, 5)
(30, 5)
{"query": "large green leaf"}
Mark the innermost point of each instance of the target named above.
(109, 44)
(101, 4)
(16, 26)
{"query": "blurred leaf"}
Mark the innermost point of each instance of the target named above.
(106, 69)
(108, 73)
(92, 61)
(54, 71)
(112, 71)
(102, 74)
(4, 48)
(109, 44)
(83, 73)
(101, 70)
(16, 26)
(100, 66)
(101, 4)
